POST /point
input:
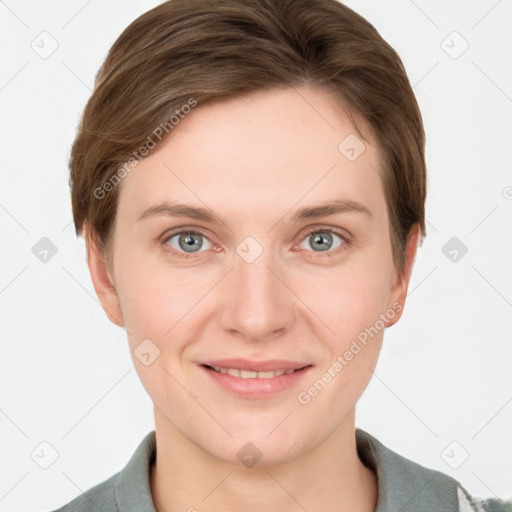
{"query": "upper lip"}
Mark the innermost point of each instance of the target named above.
(257, 366)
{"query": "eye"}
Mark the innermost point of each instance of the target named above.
(323, 240)
(187, 242)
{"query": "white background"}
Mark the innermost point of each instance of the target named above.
(66, 376)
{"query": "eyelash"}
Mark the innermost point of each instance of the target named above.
(329, 254)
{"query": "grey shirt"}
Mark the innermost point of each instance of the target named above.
(403, 485)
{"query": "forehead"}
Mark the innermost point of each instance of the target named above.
(258, 154)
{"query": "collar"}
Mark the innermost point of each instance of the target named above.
(403, 485)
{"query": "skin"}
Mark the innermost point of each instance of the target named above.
(254, 161)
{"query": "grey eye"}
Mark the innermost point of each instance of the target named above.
(188, 241)
(322, 240)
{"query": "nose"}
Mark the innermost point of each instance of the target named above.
(257, 304)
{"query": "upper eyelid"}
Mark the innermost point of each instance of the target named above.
(337, 231)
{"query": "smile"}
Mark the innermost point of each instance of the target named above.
(254, 384)
(248, 374)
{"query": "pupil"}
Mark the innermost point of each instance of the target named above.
(318, 240)
(190, 240)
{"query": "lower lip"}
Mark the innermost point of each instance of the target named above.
(257, 388)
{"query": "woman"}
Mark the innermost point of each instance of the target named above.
(249, 177)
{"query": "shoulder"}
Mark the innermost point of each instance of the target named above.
(100, 497)
(408, 486)
(128, 489)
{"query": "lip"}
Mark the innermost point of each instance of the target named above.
(255, 388)
(270, 365)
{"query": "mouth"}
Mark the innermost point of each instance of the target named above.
(253, 374)
(255, 380)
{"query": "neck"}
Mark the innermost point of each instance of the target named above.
(329, 478)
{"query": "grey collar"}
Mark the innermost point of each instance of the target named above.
(403, 485)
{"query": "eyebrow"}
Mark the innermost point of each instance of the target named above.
(337, 206)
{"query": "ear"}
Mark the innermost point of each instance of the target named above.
(101, 278)
(401, 281)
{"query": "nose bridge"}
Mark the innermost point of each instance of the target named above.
(257, 303)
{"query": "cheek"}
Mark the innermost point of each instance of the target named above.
(350, 304)
(156, 306)
(154, 297)
(348, 299)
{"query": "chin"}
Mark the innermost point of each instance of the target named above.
(254, 446)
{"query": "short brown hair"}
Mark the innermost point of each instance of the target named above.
(214, 50)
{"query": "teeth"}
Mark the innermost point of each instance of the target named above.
(247, 374)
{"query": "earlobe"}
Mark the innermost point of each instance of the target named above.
(398, 293)
(102, 279)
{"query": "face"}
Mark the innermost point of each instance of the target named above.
(271, 275)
